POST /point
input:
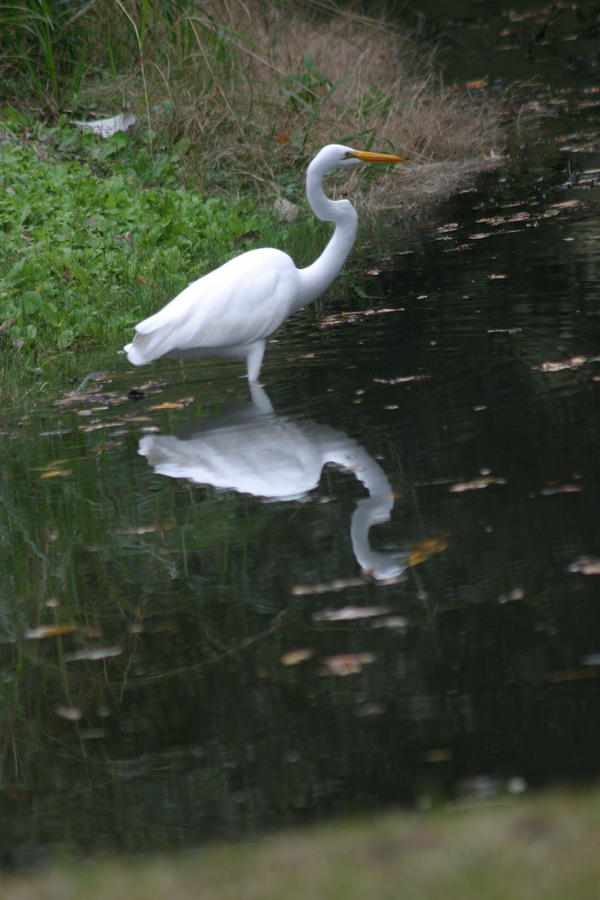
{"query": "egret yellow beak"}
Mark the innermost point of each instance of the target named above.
(367, 156)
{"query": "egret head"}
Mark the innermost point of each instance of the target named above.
(337, 156)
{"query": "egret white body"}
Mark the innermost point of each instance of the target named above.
(231, 311)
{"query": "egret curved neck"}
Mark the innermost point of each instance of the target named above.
(314, 279)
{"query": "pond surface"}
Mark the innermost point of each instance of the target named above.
(374, 582)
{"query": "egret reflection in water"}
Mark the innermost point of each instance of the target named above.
(253, 450)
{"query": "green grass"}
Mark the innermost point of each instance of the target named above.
(89, 245)
(535, 848)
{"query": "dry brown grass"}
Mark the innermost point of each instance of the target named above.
(258, 88)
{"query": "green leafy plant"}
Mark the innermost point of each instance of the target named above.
(77, 248)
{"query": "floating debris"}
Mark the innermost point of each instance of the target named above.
(552, 489)
(56, 473)
(574, 363)
(585, 565)
(574, 674)
(172, 404)
(71, 713)
(475, 484)
(591, 659)
(350, 613)
(402, 379)
(294, 657)
(93, 653)
(338, 584)
(40, 632)
(354, 315)
(513, 596)
(394, 623)
(345, 664)
(147, 529)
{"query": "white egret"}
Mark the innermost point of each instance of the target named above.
(231, 311)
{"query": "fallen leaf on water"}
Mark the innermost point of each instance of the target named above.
(552, 489)
(109, 445)
(573, 675)
(475, 484)
(92, 395)
(515, 595)
(296, 656)
(426, 548)
(585, 565)
(591, 659)
(56, 473)
(71, 713)
(349, 613)
(338, 584)
(166, 628)
(146, 529)
(352, 315)
(93, 653)
(574, 363)
(172, 404)
(346, 664)
(394, 623)
(565, 204)
(45, 631)
(98, 426)
(402, 379)
(460, 249)
(517, 330)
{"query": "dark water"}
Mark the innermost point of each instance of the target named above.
(376, 583)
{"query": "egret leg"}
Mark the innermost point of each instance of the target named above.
(254, 360)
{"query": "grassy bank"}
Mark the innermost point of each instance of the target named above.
(231, 100)
(252, 88)
(542, 846)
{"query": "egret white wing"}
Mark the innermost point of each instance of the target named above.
(242, 301)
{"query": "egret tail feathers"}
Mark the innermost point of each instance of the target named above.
(145, 348)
